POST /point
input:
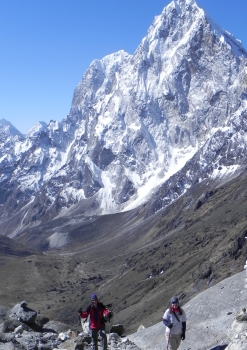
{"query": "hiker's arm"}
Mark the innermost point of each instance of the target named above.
(167, 319)
(83, 314)
(107, 313)
(167, 323)
(183, 330)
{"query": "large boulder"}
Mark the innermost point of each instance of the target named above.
(117, 328)
(23, 313)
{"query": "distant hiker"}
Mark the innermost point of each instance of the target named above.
(175, 321)
(97, 312)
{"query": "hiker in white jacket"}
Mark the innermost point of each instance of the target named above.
(175, 321)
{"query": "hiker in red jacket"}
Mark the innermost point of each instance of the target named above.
(97, 312)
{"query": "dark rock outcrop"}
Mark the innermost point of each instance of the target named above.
(23, 313)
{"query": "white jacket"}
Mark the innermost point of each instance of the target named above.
(170, 319)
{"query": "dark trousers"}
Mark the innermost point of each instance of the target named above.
(102, 334)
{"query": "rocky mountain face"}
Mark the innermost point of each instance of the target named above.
(168, 117)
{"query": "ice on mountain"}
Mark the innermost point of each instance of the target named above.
(36, 129)
(177, 106)
(8, 129)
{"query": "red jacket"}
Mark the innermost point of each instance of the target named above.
(96, 316)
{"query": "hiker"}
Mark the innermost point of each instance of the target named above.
(175, 321)
(97, 312)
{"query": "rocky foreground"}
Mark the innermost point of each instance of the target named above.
(217, 320)
(23, 329)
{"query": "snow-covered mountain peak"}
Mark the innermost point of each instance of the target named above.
(163, 119)
(116, 58)
(181, 5)
(37, 129)
(227, 38)
(8, 129)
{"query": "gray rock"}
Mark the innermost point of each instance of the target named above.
(117, 328)
(9, 325)
(80, 344)
(50, 336)
(27, 341)
(116, 342)
(7, 346)
(23, 313)
(219, 347)
(70, 344)
(140, 328)
(56, 327)
(41, 320)
(6, 337)
(19, 329)
(46, 347)
(241, 318)
(113, 337)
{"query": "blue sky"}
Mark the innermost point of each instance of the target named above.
(47, 45)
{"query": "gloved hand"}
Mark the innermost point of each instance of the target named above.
(183, 336)
(110, 314)
(80, 310)
(170, 326)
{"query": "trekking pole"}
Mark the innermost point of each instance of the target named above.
(168, 341)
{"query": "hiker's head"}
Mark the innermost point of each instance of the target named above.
(94, 298)
(174, 302)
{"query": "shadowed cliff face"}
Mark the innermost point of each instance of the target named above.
(133, 260)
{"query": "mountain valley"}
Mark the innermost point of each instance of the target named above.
(132, 261)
